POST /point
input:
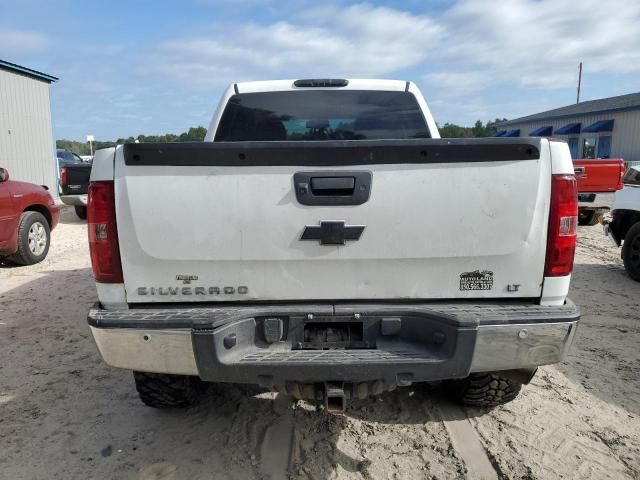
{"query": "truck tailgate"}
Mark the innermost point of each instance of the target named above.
(599, 175)
(422, 219)
(76, 179)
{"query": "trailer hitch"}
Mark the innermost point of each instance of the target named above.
(334, 397)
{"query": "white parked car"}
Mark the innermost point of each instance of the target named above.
(325, 241)
(624, 228)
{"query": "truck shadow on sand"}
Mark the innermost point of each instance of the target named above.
(271, 436)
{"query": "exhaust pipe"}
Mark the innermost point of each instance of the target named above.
(335, 400)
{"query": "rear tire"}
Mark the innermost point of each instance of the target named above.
(482, 390)
(81, 212)
(34, 239)
(588, 217)
(631, 252)
(159, 390)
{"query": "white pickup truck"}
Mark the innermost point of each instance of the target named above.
(624, 227)
(325, 242)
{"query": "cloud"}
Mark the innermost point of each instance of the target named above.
(466, 48)
(16, 42)
(459, 83)
(472, 59)
(538, 44)
(356, 41)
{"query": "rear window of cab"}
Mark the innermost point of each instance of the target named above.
(321, 115)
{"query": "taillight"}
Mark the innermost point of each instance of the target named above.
(103, 233)
(620, 184)
(63, 177)
(563, 226)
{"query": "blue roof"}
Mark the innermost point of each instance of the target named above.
(500, 133)
(541, 132)
(569, 129)
(600, 126)
(512, 133)
(27, 71)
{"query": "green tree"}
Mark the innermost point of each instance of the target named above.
(451, 130)
(479, 129)
(73, 146)
(491, 126)
(195, 134)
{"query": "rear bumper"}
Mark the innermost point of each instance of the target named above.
(595, 201)
(403, 343)
(79, 200)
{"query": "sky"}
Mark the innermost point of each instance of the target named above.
(152, 67)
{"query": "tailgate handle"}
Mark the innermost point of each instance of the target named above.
(332, 187)
(579, 171)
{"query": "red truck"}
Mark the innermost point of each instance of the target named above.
(27, 216)
(598, 179)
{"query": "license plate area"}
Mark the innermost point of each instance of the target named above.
(334, 335)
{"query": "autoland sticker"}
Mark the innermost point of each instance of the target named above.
(476, 280)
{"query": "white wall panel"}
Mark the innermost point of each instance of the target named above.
(26, 137)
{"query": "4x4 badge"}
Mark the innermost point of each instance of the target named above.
(332, 232)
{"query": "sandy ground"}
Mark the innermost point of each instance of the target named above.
(64, 414)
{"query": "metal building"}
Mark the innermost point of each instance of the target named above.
(605, 128)
(27, 149)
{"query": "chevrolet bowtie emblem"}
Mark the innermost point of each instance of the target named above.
(332, 232)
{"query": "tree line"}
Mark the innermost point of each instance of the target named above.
(479, 129)
(196, 134)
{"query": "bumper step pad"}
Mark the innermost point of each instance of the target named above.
(338, 356)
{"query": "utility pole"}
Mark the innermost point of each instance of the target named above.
(579, 82)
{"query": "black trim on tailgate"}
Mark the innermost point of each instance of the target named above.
(331, 153)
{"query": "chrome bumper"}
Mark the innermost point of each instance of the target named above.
(509, 347)
(161, 351)
(489, 342)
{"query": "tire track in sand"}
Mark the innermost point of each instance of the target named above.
(467, 443)
(275, 447)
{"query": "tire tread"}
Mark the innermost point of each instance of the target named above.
(632, 234)
(81, 212)
(160, 390)
(483, 390)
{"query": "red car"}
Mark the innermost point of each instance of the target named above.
(27, 216)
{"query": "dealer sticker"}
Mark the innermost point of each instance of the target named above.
(476, 280)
